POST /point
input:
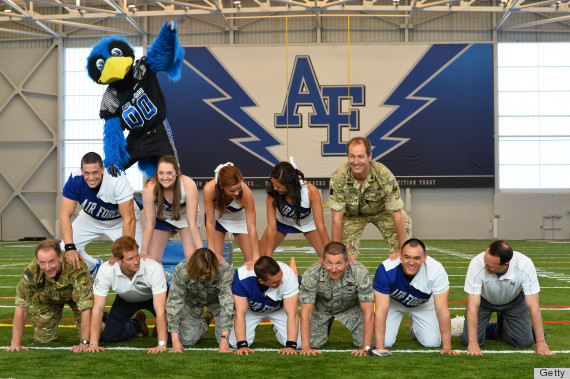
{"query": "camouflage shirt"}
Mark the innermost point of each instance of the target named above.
(191, 295)
(352, 288)
(72, 284)
(379, 192)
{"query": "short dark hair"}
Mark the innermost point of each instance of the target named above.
(266, 266)
(335, 248)
(49, 245)
(358, 141)
(414, 242)
(502, 250)
(123, 244)
(91, 158)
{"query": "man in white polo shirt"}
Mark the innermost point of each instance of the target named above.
(139, 284)
(504, 281)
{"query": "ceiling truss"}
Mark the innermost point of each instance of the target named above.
(33, 19)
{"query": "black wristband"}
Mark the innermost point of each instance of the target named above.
(69, 246)
(291, 344)
(241, 344)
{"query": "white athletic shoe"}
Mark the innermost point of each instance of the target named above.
(168, 277)
(95, 270)
(412, 334)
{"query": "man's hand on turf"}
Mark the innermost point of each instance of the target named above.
(287, 351)
(309, 351)
(177, 348)
(81, 348)
(244, 351)
(359, 352)
(16, 348)
(473, 349)
(449, 351)
(224, 346)
(542, 349)
(95, 348)
(156, 350)
(73, 258)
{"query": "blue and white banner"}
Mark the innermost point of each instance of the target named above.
(427, 110)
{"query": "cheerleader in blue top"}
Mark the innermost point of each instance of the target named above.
(170, 201)
(293, 206)
(229, 207)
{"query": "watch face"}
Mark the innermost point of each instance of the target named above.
(84, 342)
(161, 343)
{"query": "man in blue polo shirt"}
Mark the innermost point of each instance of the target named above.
(270, 292)
(407, 284)
(107, 209)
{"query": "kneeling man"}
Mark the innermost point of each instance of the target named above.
(270, 292)
(48, 283)
(504, 281)
(407, 284)
(338, 289)
(199, 282)
(139, 284)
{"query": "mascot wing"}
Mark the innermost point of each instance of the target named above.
(166, 54)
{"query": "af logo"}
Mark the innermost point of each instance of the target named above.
(333, 106)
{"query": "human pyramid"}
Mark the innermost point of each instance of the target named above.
(336, 286)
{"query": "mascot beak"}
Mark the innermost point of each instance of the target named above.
(115, 69)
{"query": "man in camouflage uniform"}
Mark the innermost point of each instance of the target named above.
(200, 281)
(48, 283)
(338, 289)
(362, 192)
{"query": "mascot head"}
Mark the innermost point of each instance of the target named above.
(110, 60)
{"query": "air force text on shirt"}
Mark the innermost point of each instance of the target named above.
(102, 213)
(410, 300)
(258, 307)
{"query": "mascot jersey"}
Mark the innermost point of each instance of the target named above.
(139, 103)
(101, 203)
(262, 298)
(137, 100)
(391, 280)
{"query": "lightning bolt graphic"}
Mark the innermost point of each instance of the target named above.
(435, 60)
(231, 105)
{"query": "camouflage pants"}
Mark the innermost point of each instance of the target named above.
(352, 318)
(193, 328)
(46, 317)
(353, 226)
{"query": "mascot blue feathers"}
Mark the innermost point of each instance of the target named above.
(133, 100)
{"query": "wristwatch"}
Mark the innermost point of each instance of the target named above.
(84, 342)
(161, 343)
(226, 337)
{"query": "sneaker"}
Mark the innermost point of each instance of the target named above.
(207, 317)
(95, 270)
(499, 328)
(104, 320)
(412, 334)
(142, 317)
(168, 277)
(490, 331)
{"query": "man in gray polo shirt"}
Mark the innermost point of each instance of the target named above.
(504, 281)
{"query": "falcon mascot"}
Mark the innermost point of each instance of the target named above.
(133, 100)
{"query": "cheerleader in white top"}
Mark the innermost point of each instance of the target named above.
(229, 207)
(293, 206)
(170, 201)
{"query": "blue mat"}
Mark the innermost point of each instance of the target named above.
(174, 254)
